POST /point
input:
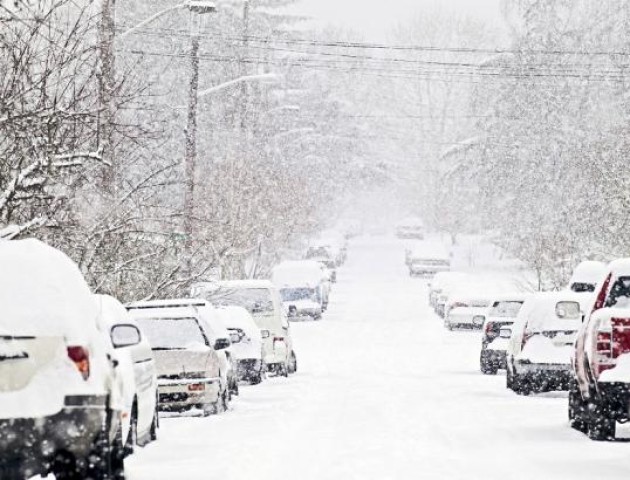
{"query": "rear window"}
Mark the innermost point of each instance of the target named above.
(507, 309)
(619, 296)
(582, 287)
(172, 333)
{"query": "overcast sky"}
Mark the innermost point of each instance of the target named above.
(374, 18)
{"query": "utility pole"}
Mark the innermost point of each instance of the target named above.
(107, 114)
(190, 159)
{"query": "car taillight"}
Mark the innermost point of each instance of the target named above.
(81, 359)
(490, 330)
(612, 340)
(604, 351)
(278, 339)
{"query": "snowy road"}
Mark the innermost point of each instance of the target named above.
(383, 392)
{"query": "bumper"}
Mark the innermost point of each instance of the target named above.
(496, 357)
(28, 444)
(182, 394)
(556, 376)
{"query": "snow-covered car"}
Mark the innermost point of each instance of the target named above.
(599, 392)
(480, 301)
(247, 343)
(262, 299)
(60, 401)
(187, 355)
(410, 228)
(539, 351)
(586, 275)
(303, 274)
(427, 262)
(441, 283)
(470, 318)
(133, 352)
(301, 303)
(497, 331)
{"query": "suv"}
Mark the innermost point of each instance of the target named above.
(186, 353)
(60, 403)
(599, 393)
(500, 315)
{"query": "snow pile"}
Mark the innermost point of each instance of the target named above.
(42, 292)
(620, 372)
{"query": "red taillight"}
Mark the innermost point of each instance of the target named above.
(196, 387)
(81, 358)
(489, 328)
(604, 351)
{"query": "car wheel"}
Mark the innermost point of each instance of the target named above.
(106, 462)
(522, 384)
(577, 409)
(509, 380)
(486, 366)
(235, 390)
(600, 426)
(132, 436)
(155, 424)
(64, 467)
(292, 368)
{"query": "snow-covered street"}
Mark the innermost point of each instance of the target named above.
(383, 391)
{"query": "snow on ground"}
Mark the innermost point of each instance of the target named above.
(383, 392)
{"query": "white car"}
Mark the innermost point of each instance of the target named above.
(423, 261)
(538, 355)
(60, 400)
(470, 318)
(133, 352)
(586, 276)
(189, 365)
(303, 274)
(479, 302)
(247, 343)
(442, 282)
(262, 299)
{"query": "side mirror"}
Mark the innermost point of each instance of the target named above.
(292, 311)
(265, 333)
(221, 344)
(478, 320)
(125, 336)
(505, 333)
(235, 337)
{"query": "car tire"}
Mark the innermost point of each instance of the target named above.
(600, 426)
(106, 462)
(155, 425)
(577, 409)
(509, 379)
(522, 384)
(292, 365)
(486, 366)
(132, 436)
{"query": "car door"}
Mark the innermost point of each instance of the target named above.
(146, 383)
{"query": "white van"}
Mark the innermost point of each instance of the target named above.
(262, 299)
(302, 276)
(133, 352)
(60, 402)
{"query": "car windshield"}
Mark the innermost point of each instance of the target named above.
(582, 287)
(619, 296)
(507, 309)
(172, 333)
(253, 299)
(293, 294)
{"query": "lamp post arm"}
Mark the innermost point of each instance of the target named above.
(247, 78)
(151, 19)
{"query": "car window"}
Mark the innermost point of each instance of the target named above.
(505, 309)
(253, 299)
(582, 287)
(619, 295)
(172, 333)
(294, 294)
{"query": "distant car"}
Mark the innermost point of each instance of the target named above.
(599, 392)
(497, 332)
(470, 318)
(441, 283)
(262, 299)
(539, 350)
(133, 352)
(300, 274)
(186, 354)
(411, 228)
(247, 343)
(586, 276)
(468, 299)
(423, 263)
(60, 396)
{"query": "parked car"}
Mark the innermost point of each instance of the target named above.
(302, 274)
(442, 282)
(262, 299)
(410, 228)
(301, 302)
(133, 353)
(500, 316)
(470, 318)
(539, 350)
(186, 353)
(60, 398)
(479, 302)
(599, 393)
(247, 343)
(422, 262)
(586, 275)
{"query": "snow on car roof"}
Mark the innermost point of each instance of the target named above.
(297, 272)
(175, 308)
(620, 267)
(588, 272)
(511, 297)
(42, 292)
(112, 312)
(238, 317)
